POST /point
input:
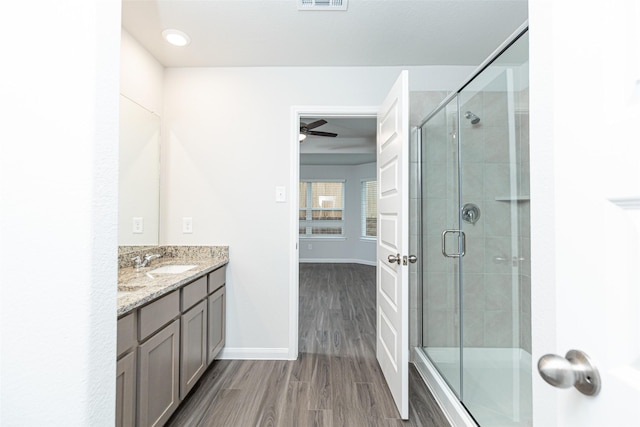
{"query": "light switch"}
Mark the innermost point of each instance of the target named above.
(281, 194)
(187, 225)
(138, 225)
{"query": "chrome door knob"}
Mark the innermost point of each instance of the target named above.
(394, 258)
(575, 369)
(413, 259)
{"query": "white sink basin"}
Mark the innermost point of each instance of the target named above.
(173, 269)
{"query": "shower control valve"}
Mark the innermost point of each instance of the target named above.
(470, 213)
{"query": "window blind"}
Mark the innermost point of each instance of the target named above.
(369, 209)
(321, 207)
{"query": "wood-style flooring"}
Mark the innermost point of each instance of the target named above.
(336, 380)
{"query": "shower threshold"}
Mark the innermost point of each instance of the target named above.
(497, 385)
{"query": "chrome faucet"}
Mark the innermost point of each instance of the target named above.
(139, 263)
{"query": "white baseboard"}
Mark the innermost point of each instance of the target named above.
(336, 261)
(241, 353)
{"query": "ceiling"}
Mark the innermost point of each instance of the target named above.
(263, 33)
(354, 145)
(228, 33)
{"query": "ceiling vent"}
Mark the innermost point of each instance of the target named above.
(322, 4)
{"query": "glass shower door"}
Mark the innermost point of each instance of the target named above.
(440, 288)
(476, 270)
(494, 207)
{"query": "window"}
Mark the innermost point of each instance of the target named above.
(321, 208)
(369, 210)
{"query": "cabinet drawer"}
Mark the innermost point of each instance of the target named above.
(126, 333)
(193, 293)
(217, 279)
(157, 314)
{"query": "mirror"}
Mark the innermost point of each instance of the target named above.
(139, 175)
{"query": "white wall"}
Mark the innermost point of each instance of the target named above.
(352, 248)
(58, 202)
(227, 135)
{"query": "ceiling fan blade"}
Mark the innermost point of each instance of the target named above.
(317, 133)
(315, 124)
(347, 147)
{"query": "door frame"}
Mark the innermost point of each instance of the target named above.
(294, 178)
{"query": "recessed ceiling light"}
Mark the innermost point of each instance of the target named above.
(176, 37)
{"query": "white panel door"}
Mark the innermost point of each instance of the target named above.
(392, 296)
(585, 205)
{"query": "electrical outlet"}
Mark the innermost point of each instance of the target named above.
(138, 225)
(187, 225)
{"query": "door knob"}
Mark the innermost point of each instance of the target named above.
(409, 259)
(575, 369)
(394, 258)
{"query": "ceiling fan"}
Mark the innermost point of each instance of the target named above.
(305, 130)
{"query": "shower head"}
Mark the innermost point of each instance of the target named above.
(474, 119)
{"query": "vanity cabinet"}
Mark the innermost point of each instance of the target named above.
(164, 348)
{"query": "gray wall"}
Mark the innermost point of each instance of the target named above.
(351, 248)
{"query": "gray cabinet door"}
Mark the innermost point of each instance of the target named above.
(126, 391)
(216, 302)
(193, 347)
(158, 376)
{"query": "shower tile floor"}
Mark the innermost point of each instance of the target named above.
(497, 383)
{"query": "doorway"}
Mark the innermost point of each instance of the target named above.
(392, 147)
(325, 227)
(337, 233)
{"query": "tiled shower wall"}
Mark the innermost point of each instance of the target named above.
(496, 308)
(495, 176)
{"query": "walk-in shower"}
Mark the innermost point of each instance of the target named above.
(475, 276)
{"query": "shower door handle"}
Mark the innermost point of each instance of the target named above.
(463, 246)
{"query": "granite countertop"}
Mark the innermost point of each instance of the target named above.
(138, 287)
